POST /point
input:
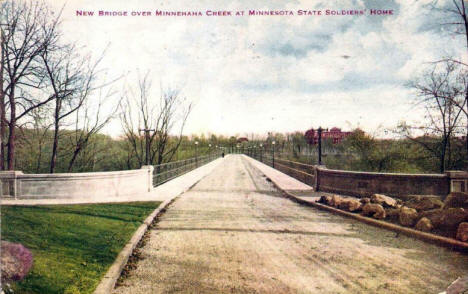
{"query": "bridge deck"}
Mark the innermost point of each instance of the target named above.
(233, 233)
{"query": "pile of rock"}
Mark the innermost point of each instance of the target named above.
(421, 212)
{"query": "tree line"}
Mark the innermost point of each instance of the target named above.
(56, 98)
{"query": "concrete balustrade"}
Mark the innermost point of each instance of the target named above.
(15, 184)
(364, 184)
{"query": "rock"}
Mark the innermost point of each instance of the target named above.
(374, 210)
(456, 199)
(424, 224)
(350, 204)
(325, 199)
(16, 261)
(336, 201)
(354, 205)
(365, 200)
(424, 203)
(408, 216)
(434, 215)
(392, 213)
(446, 218)
(383, 200)
(462, 232)
(454, 216)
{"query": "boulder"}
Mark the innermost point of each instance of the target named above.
(336, 201)
(383, 200)
(365, 200)
(446, 218)
(424, 203)
(408, 216)
(374, 210)
(16, 261)
(392, 213)
(350, 204)
(462, 232)
(354, 205)
(325, 199)
(456, 199)
(424, 224)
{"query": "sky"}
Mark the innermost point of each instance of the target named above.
(276, 73)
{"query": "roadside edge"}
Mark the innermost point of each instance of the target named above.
(427, 237)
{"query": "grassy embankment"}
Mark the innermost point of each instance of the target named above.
(73, 245)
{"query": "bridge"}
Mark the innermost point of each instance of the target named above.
(230, 230)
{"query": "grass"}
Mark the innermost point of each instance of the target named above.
(73, 245)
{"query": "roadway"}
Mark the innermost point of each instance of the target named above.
(234, 233)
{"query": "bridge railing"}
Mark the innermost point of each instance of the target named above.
(168, 171)
(364, 184)
(300, 171)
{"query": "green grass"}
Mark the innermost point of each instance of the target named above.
(73, 245)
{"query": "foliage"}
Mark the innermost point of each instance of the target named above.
(73, 245)
(363, 152)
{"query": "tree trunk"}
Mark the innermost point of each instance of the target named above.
(465, 21)
(73, 159)
(2, 112)
(466, 139)
(442, 156)
(12, 129)
(53, 158)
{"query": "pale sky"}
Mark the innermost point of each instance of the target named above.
(255, 74)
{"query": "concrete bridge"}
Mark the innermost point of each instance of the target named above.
(230, 231)
(234, 233)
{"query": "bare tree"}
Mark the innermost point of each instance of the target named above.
(436, 93)
(28, 29)
(90, 119)
(72, 79)
(170, 112)
(140, 112)
(454, 17)
(39, 126)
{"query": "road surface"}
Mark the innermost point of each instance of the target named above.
(233, 233)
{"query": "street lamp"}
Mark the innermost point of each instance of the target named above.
(320, 130)
(196, 153)
(273, 152)
(147, 143)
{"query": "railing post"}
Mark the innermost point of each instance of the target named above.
(150, 169)
(458, 181)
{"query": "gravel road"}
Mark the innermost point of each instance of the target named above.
(233, 233)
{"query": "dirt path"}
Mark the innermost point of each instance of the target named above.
(232, 233)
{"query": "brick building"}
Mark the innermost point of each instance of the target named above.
(335, 134)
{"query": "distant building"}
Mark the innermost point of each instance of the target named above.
(242, 139)
(335, 134)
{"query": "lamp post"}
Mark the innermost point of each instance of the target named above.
(261, 152)
(273, 152)
(196, 153)
(320, 130)
(147, 133)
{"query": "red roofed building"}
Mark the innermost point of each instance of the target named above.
(242, 139)
(335, 134)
